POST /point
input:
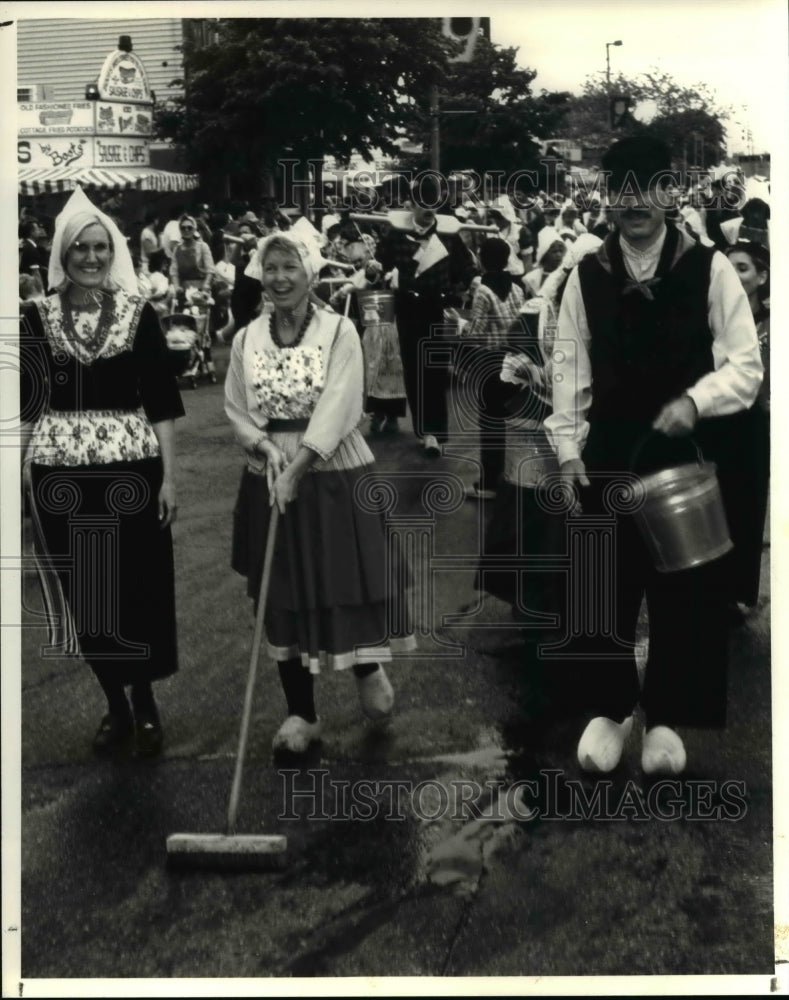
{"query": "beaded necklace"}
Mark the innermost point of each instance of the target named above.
(302, 329)
(90, 342)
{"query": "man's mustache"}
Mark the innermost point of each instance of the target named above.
(633, 213)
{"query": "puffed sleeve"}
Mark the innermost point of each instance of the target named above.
(159, 393)
(248, 425)
(339, 408)
(33, 367)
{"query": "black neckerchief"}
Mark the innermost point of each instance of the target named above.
(499, 282)
(422, 238)
(620, 273)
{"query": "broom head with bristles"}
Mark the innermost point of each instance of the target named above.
(225, 851)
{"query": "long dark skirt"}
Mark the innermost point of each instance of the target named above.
(107, 567)
(338, 590)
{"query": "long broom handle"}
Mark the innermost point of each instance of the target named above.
(235, 791)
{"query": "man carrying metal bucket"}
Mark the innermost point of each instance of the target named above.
(656, 352)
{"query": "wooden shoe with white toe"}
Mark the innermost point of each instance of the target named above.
(663, 752)
(601, 744)
(376, 694)
(295, 735)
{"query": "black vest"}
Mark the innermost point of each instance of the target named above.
(648, 345)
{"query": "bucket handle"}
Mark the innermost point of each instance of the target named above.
(645, 438)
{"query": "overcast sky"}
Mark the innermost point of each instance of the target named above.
(737, 47)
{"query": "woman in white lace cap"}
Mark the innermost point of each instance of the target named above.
(294, 394)
(99, 402)
(551, 249)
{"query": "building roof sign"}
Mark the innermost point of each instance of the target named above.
(123, 78)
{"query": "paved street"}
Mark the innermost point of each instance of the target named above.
(506, 885)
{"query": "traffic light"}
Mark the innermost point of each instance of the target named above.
(619, 109)
(465, 30)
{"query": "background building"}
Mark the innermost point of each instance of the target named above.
(60, 56)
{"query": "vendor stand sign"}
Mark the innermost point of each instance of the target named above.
(56, 118)
(123, 78)
(103, 141)
(37, 152)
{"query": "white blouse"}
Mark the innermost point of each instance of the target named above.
(320, 380)
(732, 385)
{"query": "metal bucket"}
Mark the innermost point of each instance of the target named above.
(683, 521)
(375, 307)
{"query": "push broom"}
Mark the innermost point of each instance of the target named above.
(231, 848)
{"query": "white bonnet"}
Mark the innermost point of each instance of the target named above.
(78, 213)
(310, 256)
(546, 238)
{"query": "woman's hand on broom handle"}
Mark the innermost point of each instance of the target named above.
(286, 485)
(285, 488)
(275, 462)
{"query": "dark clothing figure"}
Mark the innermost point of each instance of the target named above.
(432, 272)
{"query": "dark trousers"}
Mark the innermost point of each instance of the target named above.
(745, 485)
(492, 429)
(426, 381)
(491, 447)
(686, 669)
(481, 391)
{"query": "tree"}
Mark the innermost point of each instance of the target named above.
(268, 89)
(659, 106)
(588, 116)
(488, 116)
(696, 139)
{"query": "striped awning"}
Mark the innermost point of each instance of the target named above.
(48, 180)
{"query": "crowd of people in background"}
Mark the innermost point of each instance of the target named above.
(538, 230)
(487, 279)
(194, 259)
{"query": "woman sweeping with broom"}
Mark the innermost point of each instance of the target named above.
(294, 393)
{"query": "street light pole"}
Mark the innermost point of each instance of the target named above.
(608, 78)
(435, 131)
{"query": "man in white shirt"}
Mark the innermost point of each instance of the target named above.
(657, 344)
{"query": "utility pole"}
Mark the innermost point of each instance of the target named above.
(459, 29)
(435, 131)
(608, 79)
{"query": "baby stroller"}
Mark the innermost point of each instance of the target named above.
(197, 304)
(183, 345)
